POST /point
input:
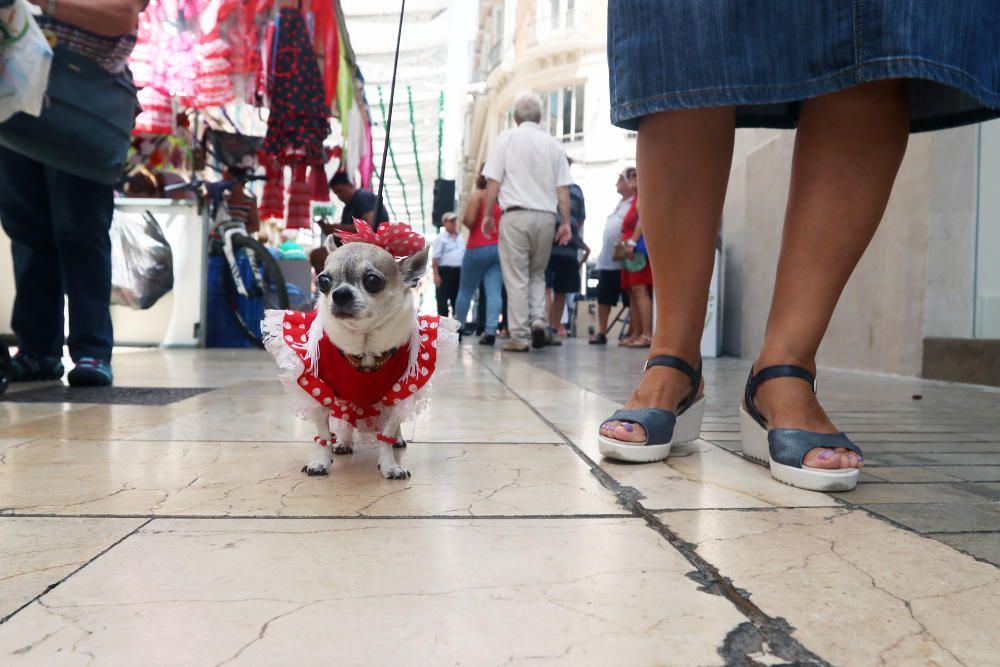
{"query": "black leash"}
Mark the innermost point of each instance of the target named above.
(388, 120)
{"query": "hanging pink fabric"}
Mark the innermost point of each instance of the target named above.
(367, 166)
(299, 194)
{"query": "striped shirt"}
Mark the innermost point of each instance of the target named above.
(111, 53)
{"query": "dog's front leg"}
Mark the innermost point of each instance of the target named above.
(387, 464)
(325, 440)
(345, 440)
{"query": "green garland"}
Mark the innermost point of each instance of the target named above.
(440, 129)
(416, 159)
(385, 195)
(392, 158)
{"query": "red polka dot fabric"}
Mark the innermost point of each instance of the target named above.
(357, 397)
(398, 238)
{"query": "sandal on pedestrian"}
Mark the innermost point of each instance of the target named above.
(783, 449)
(663, 427)
(598, 339)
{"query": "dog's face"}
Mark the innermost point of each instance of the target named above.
(362, 285)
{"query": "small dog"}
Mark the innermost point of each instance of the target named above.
(363, 357)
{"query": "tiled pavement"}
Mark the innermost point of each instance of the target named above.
(185, 534)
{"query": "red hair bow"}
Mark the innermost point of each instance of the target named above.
(398, 238)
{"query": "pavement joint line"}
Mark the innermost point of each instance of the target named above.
(775, 631)
(51, 587)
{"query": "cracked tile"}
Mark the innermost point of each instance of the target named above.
(475, 592)
(253, 479)
(37, 552)
(857, 590)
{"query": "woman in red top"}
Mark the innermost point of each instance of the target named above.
(638, 283)
(480, 264)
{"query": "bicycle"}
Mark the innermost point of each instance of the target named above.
(254, 282)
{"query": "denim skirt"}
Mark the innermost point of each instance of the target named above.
(765, 56)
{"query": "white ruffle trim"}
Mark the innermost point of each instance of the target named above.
(288, 361)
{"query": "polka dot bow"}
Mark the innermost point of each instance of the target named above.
(398, 238)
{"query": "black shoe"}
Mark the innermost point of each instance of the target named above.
(90, 372)
(539, 336)
(4, 368)
(488, 339)
(35, 368)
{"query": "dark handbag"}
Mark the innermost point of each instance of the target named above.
(85, 127)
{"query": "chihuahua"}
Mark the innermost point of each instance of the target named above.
(363, 358)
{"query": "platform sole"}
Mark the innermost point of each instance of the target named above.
(686, 429)
(757, 449)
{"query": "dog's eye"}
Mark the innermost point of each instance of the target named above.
(324, 283)
(374, 282)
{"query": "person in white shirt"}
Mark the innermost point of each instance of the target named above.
(528, 174)
(609, 285)
(447, 252)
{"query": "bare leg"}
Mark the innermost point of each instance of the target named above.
(848, 149)
(556, 310)
(603, 315)
(643, 303)
(683, 162)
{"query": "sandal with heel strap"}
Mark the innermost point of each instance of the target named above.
(663, 427)
(783, 449)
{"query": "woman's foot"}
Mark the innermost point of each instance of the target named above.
(638, 341)
(659, 387)
(789, 402)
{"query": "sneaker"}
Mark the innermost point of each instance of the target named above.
(488, 339)
(539, 335)
(515, 346)
(35, 368)
(90, 372)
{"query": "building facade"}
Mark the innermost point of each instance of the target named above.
(557, 49)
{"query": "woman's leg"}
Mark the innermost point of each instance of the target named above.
(848, 149)
(683, 160)
(645, 306)
(493, 286)
(473, 268)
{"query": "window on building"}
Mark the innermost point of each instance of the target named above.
(562, 112)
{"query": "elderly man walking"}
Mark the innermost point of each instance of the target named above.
(528, 172)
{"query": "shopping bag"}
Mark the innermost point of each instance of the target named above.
(25, 59)
(142, 263)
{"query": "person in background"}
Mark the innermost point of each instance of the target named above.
(527, 173)
(447, 253)
(639, 284)
(242, 205)
(59, 223)
(358, 203)
(562, 276)
(481, 264)
(609, 282)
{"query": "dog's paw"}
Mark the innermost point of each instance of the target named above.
(343, 449)
(394, 471)
(316, 468)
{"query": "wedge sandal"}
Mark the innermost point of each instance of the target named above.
(783, 449)
(663, 427)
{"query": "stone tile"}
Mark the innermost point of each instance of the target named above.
(36, 553)
(933, 458)
(870, 494)
(942, 517)
(387, 592)
(985, 546)
(103, 422)
(472, 420)
(972, 473)
(908, 475)
(906, 599)
(251, 479)
(17, 414)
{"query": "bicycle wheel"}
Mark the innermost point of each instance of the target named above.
(268, 293)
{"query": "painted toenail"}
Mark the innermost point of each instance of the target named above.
(628, 427)
(825, 454)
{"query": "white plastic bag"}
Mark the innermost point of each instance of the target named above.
(142, 263)
(25, 59)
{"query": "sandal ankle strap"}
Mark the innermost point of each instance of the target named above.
(772, 373)
(679, 364)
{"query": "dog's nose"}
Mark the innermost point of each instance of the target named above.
(342, 296)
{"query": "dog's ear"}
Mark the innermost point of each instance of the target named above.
(413, 268)
(330, 243)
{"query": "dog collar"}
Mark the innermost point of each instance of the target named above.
(357, 360)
